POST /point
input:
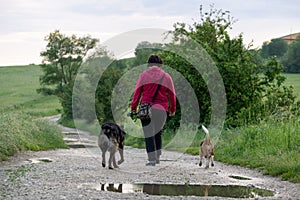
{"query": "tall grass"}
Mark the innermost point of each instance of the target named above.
(19, 131)
(272, 146)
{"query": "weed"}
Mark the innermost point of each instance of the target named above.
(16, 174)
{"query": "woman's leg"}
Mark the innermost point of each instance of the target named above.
(152, 132)
(159, 117)
(158, 144)
(148, 129)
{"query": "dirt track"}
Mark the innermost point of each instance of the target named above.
(76, 173)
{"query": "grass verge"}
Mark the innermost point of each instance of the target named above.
(270, 146)
(19, 131)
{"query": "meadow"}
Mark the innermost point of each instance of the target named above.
(18, 91)
(271, 146)
(21, 108)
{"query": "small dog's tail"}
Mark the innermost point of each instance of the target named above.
(207, 136)
(205, 129)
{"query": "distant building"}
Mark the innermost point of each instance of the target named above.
(290, 38)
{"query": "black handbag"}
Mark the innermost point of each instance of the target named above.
(145, 109)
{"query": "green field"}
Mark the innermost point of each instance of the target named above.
(18, 91)
(293, 80)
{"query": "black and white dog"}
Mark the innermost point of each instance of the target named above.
(111, 139)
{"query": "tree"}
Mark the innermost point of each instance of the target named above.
(245, 82)
(144, 50)
(277, 47)
(61, 61)
(291, 59)
(105, 89)
(234, 62)
(264, 51)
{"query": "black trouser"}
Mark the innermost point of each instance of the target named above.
(152, 132)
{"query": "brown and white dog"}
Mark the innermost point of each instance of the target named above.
(206, 149)
(111, 139)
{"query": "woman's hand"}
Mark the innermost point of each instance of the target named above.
(171, 114)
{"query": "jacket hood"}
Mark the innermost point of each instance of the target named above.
(153, 74)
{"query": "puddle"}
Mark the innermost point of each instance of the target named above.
(81, 145)
(70, 133)
(68, 140)
(39, 160)
(240, 177)
(233, 191)
(46, 160)
(76, 146)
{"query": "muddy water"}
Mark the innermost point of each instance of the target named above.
(233, 191)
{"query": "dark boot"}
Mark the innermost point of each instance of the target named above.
(151, 163)
(152, 159)
(158, 153)
(158, 159)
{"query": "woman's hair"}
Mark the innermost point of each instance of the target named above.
(154, 59)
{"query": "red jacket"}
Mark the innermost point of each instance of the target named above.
(146, 86)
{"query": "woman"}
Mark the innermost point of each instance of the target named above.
(164, 103)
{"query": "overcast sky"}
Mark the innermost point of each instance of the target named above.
(25, 23)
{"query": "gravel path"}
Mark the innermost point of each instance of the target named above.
(76, 173)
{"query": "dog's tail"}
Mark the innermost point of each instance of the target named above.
(205, 129)
(207, 136)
